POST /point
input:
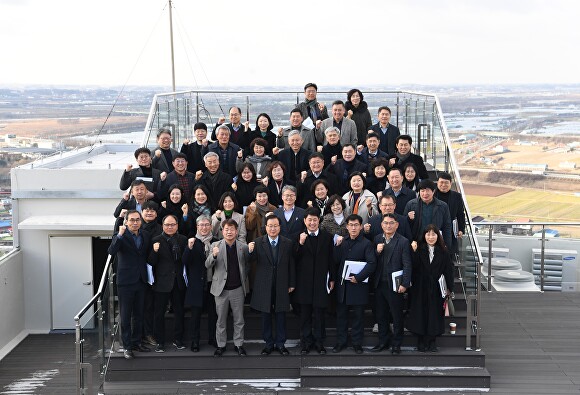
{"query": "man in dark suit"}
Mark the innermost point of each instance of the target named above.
(456, 209)
(294, 158)
(387, 132)
(402, 194)
(371, 152)
(229, 258)
(214, 179)
(166, 259)
(239, 134)
(316, 271)
(276, 274)
(393, 255)
(164, 154)
(179, 176)
(145, 172)
(131, 245)
(344, 167)
(226, 150)
(194, 150)
(291, 217)
(387, 205)
(404, 155)
(316, 172)
(351, 290)
(133, 202)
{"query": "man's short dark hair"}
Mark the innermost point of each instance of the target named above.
(373, 134)
(142, 150)
(313, 211)
(296, 110)
(150, 205)
(170, 215)
(271, 217)
(404, 137)
(389, 215)
(445, 176)
(129, 212)
(381, 108)
(426, 184)
(388, 197)
(354, 217)
(230, 222)
(135, 183)
(261, 189)
(395, 169)
(316, 155)
(179, 156)
(338, 103)
(349, 145)
(311, 85)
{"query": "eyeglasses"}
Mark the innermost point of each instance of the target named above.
(170, 225)
(134, 220)
(390, 223)
(387, 204)
(204, 224)
(272, 226)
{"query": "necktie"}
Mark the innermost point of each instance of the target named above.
(273, 243)
(312, 234)
(274, 252)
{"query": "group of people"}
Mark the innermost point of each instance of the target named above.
(295, 219)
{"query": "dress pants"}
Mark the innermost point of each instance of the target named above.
(312, 323)
(195, 324)
(209, 302)
(233, 298)
(280, 329)
(357, 332)
(177, 297)
(389, 307)
(148, 311)
(131, 302)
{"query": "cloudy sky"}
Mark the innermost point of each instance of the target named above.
(272, 42)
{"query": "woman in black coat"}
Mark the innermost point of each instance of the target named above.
(194, 263)
(431, 260)
(245, 185)
(357, 110)
(176, 204)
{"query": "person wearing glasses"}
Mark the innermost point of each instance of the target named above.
(393, 255)
(179, 176)
(387, 205)
(240, 136)
(164, 154)
(166, 259)
(131, 246)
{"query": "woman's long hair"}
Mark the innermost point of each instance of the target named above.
(440, 242)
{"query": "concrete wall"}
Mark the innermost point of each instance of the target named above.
(11, 302)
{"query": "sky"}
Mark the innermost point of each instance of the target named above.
(276, 43)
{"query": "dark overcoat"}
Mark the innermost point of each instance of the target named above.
(166, 268)
(426, 315)
(314, 263)
(284, 271)
(194, 262)
(359, 249)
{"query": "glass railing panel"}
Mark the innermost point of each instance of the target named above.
(91, 351)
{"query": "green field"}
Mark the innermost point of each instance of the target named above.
(527, 203)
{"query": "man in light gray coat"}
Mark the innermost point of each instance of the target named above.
(347, 127)
(307, 135)
(229, 285)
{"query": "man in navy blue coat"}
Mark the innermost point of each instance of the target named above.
(132, 246)
(352, 291)
(393, 255)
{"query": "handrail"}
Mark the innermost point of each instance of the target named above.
(527, 223)
(99, 291)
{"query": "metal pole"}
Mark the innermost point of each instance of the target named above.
(171, 41)
(101, 334)
(397, 109)
(248, 108)
(542, 258)
(490, 242)
(78, 356)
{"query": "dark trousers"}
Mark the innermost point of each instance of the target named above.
(161, 301)
(312, 324)
(148, 311)
(389, 308)
(357, 332)
(280, 329)
(195, 324)
(211, 314)
(131, 302)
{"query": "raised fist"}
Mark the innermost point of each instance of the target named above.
(251, 246)
(190, 242)
(122, 229)
(319, 148)
(129, 167)
(334, 159)
(123, 213)
(186, 142)
(163, 176)
(215, 251)
(303, 175)
(158, 153)
(280, 132)
(241, 153)
(303, 238)
(367, 228)
(318, 124)
(349, 114)
(221, 120)
(234, 186)
(339, 240)
(246, 126)
(156, 246)
(380, 247)
(185, 209)
(198, 175)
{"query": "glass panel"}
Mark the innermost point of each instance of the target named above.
(91, 351)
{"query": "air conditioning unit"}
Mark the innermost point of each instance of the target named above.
(560, 269)
(496, 252)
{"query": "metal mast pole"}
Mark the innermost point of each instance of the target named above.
(171, 40)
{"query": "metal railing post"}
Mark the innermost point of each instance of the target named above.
(78, 356)
(101, 333)
(489, 254)
(542, 250)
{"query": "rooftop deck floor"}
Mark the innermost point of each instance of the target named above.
(531, 341)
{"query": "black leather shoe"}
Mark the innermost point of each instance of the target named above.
(267, 350)
(380, 347)
(338, 348)
(128, 354)
(140, 348)
(421, 347)
(240, 350)
(320, 348)
(396, 350)
(358, 349)
(219, 351)
(433, 348)
(283, 350)
(305, 350)
(194, 347)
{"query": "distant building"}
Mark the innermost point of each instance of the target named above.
(527, 166)
(500, 149)
(567, 165)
